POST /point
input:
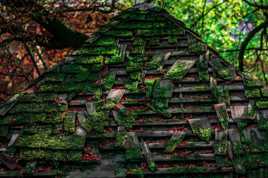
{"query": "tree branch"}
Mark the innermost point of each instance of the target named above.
(205, 14)
(246, 41)
(62, 36)
(260, 6)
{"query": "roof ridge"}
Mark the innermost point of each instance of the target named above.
(144, 6)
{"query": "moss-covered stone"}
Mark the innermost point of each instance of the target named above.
(51, 155)
(41, 107)
(133, 154)
(43, 140)
(69, 122)
(202, 68)
(132, 86)
(37, 97)
(253, 93)
(109, 81)
(179, 170)
(264, 92)
(74, 68)
(174, 141)
(179, 69)
(262, 104)
(106, 42)
(222, 70)
(155, 62)
(119, 33)
(32, 118)
(35, 129)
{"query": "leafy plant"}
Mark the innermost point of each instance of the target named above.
(109, 81)
(121, 138)
(132, 86)
(99, 120)
(133, 154)
(173, 142)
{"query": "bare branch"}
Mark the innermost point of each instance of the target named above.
(246, 42)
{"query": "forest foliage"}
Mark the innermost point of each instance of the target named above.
(37, 34)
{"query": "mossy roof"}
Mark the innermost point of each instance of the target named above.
(143, 97)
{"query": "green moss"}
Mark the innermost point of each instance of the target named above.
(133, 154)
(203, 133)
(196, 169)
(132, 86)
(253, 84)
(74, 69)
(149, 83)
(35, 129)
(135, 76)
(43, 140)
(133, 66)
(172, 39)
(223, 117)
(162, 89)
(140, 25)
(54, 76)
(67, 87)
(221, 94)
(253, 93)
(262, 104)
(37, 97)
(97, 51)
(109, 80)
(121, 138)
(152, 166)
(120, 172)
(196, 46)
(265, 92)
(168, 31)
(115, 59)
(31, 118)
(139, 172)
(173, 142)
(119, 33)
(105, 42)
(4, 131)
(223, 71)
(125, 118)
(179, 69)
(41, 107)
(155, 62)
(99, 119)
(202, 68)
(221, 148)
(69, 122)
(138, 42)
(84, 76)
(50, 155)
(138, 50)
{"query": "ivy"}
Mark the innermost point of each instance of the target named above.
(109, 81)
(125, 118)
(99, 120)
(133, 154)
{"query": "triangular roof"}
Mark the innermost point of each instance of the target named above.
(143, 96)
